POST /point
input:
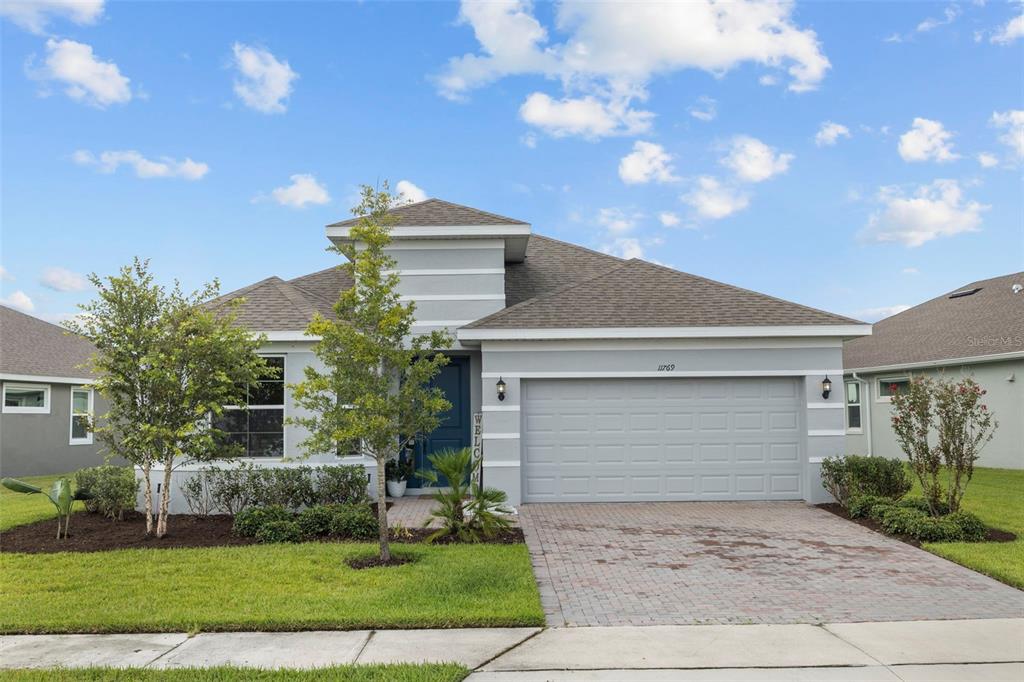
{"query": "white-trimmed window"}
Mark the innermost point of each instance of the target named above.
(889, 386)
(27, 398)
(81, 415)
(260, 428)
(853, 413)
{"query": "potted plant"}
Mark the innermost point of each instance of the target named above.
(398, 471)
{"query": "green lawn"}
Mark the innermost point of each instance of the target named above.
(18, 508)
(447, 672)
(997, 497)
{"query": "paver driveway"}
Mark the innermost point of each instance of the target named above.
(740, 562)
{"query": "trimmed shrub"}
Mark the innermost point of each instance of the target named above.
(860, 506)
(341, 485)
(900, 520)
(289, 487)
(279, 531)
(922, 504)
(354, 522)
(935, 529)
(197, 494)
(113, 489)
(853, 475)
(248, 522)
(316, 521)
(233, 489)
(972, 529)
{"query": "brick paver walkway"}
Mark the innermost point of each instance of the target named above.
(740, 562)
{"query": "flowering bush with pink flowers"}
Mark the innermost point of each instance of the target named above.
(961, 423)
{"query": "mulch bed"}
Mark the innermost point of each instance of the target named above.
(376, 562)
(994, 534)
(96, 533)
(513, 536)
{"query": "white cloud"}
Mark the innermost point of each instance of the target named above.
(705, 109)
(829, 133)
(616, 220)
(647, 162)
(85, 78)
(410, 192)
(5, 275)
(612, 51)
(35, 15)
(62, 279)
(303, 191)
(987, 160)
(711, 199)
(264, 83)
(165, 167)
(876, 314)
(668, 219)
(624, 247)
(1010, 31)
(587, 116)
(1012, 122)
(20, 301)
(931, 211)
(529, 140)
(949, 15)
(753, 160)
(927, 140)
(911, 271)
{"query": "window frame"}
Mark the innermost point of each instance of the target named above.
(282, 407)
(88, 440)
(14, 409)
(879, 398)
(859, 405)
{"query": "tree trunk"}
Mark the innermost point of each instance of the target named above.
(146, 468)
(165, 500)
(382, 512)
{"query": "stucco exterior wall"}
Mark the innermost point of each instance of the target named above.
(1005, 399)
(516, 361)
(39, 444)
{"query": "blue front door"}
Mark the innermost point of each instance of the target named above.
(454, 430)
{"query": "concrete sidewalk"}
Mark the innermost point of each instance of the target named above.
(918, 650)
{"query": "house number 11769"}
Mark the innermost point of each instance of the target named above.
(666, 368)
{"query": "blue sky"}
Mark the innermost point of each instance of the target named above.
(850, 156)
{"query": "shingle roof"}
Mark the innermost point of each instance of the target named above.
(273, 304)
(30, 346)
(436, 212)
(551, 264)
(988, 322)
(642, 294)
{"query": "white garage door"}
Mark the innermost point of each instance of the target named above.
(597, 440)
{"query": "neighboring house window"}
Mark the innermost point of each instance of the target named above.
(260, 429)
(853, 406)
(81, 415)
(889, 386)
(27, 398)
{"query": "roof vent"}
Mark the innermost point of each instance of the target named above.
(1017, 288)
(965, 292)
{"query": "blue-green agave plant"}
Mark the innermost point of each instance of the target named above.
(60, 495)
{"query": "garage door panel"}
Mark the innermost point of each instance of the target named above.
(650, 439)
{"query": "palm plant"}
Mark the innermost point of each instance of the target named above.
(60, 495)
(467, 511)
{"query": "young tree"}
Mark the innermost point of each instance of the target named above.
(374, 390)
(165, 363)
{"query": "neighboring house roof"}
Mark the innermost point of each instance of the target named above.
(436, 212)
(31, 347)
(273, 304)
(642, 294)
(987, 322)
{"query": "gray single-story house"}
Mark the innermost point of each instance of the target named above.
(621, 380)
(47, 398)
(976, 330)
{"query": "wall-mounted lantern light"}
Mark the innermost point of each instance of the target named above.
(826, 388)
(501, 388)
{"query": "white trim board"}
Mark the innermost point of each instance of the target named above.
(677, 374)
(453, 297)
(440, 323)
(825, 406)
(532, 346)
(500, 436)
(287, 336)
(420, 272)
(998, 357)
(501, 463)
(840, 330)
(500, 408)
(39, 379)
(825, 432)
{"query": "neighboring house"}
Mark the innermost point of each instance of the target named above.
(47, 400)
(976, 331)
(598, 379)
